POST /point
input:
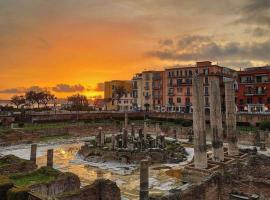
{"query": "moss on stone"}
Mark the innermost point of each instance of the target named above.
(42, 175)
(18, 193)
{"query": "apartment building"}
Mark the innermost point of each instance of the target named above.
(137, 92)
(115, 90)
(253, 93)
(178, 82)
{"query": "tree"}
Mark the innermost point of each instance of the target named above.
(78, 102)
(119, 92)
(39, 97)
(17, 100)
(46, 97)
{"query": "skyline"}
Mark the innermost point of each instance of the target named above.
(72, 46)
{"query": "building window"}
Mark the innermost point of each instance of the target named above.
(179, 82)
(260, 100)
(206, 80)
(179, 90)
(206, 91)
(187, 101)
(241, 101)
(188, 91)
(170, 101)
(249, 100)
(178, 99)
(206, 101)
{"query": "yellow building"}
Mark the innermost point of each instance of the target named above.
(110, 87)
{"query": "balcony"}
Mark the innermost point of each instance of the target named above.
(249, 93)
(156, 87)
(171, 94)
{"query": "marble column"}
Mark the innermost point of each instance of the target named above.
(126, 120)
(50, 158)
(175, 134)
(144, 180)
(124, 138)
(216, 119)
(113, 141)
(145, 129)
(231, 117)
(101, 136)
(33, 153)
(200, 155)
(133, 130)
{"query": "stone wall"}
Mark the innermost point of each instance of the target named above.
(101, 189)
(65, 182)
(249, 176)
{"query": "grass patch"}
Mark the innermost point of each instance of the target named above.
(42, 175)
(247, 128)
(56, 137)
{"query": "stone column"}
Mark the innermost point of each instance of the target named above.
(175, 134)
(33, 154)
(101, 136)
(132, 130)
(124, 138)
(200, 156)
(126, 120)
(145, 130)
(216, 120)
(113, 141)
(50, 158)
(231, 118)
(262, 141)
(144, 180)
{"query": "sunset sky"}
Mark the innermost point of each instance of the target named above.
(70, 46)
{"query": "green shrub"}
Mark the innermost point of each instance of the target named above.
(18, 193)
(187, 123)
(178, 121)
(265, 125)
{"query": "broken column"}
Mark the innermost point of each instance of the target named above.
(113, 141)
(33, 153)
(126, 120)
(216, 120)
(200, 156)
(231, 117)
(50, 158)
(262, 141)
(124, 138)
(101, 136)
(144, 180)
(174, 134)
(132, 130)
(145, 129)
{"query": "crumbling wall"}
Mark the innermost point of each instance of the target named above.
(101, 189)
(65, 182)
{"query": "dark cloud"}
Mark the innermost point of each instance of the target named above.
(255, 12)
(166, 42)
(99, 87)
(259, 32)
(206, 49)
(68, 88)
(189, 41)
(20, 90)
(12, 90)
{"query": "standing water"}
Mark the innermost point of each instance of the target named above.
(162, 177)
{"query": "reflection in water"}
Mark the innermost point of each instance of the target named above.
(65, 159)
